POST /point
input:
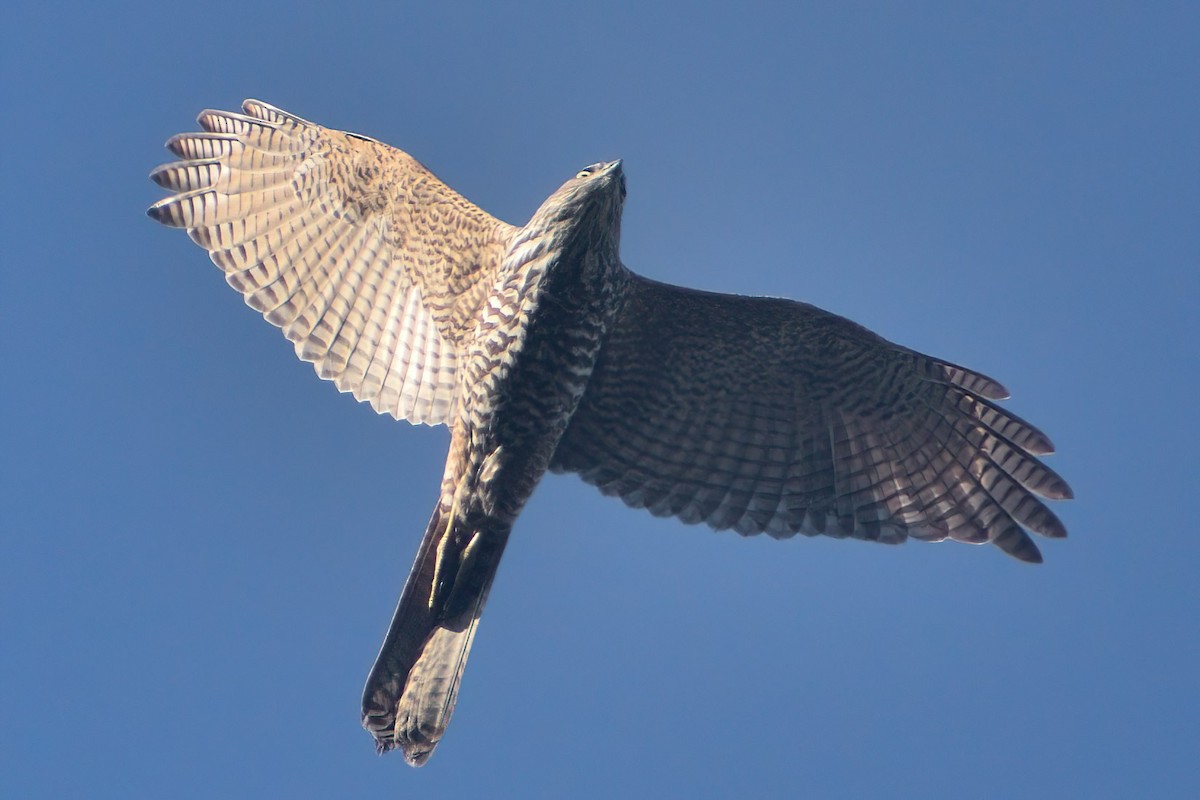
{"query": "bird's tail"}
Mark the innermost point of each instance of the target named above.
(411, 690)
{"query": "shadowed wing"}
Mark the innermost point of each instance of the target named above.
(769, 415)
(369, 264)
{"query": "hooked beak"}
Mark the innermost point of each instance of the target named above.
(614, 168)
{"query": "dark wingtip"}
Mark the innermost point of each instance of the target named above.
(1030, 555)
(1048, 524)
(1017, 544)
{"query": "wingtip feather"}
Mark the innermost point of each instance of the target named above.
(1017, 544)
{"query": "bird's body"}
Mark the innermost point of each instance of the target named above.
(542, 351)
(528, 361)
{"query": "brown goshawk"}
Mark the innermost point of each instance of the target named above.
(541, 351)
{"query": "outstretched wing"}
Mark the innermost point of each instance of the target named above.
(769, 415)
(369, 264)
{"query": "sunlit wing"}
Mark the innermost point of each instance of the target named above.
(367, 262)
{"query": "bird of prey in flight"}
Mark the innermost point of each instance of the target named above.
(541, 351)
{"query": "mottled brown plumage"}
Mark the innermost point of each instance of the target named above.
(542, 351)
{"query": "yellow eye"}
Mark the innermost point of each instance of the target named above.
(584, 173)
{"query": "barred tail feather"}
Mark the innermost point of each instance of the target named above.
(411, 691)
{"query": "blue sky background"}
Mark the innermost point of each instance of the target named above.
(202, 543)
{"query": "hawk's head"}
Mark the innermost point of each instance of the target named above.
(588, 204)
(601, 177)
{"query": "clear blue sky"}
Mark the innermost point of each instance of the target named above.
(203, 543)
